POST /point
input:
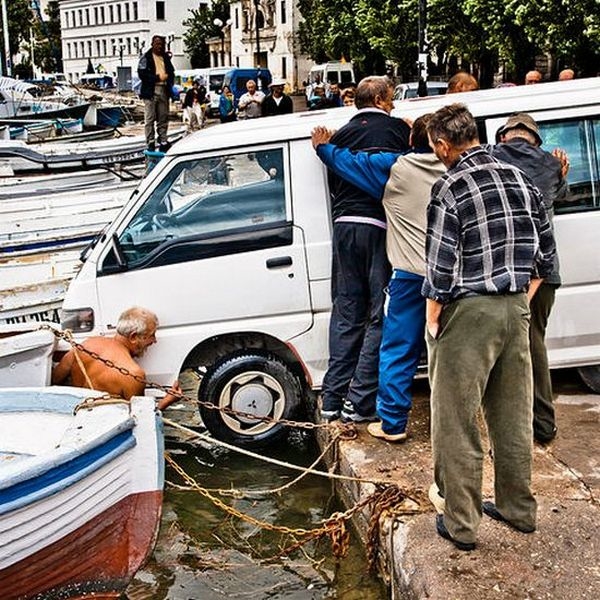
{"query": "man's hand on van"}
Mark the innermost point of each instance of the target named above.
(564, 160)
(174, 394)
(320, 135)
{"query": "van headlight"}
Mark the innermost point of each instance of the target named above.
(78, 320)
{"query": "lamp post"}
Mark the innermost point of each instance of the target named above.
(256, 23)
(121, 49)
(422, 62)
(6, 40)
(220, 25)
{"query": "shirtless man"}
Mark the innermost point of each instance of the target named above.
(136, 331)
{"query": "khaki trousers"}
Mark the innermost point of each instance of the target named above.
(481, 360)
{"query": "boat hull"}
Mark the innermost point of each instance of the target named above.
(99, 558)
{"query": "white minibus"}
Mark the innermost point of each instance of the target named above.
(228, 241)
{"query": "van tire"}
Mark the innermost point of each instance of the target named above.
(248, 382)
(591, 377)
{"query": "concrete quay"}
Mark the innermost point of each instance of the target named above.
(560, 560)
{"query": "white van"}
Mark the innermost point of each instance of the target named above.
(228, 241)
(216, 75)
(330, 72)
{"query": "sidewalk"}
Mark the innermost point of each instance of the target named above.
(560, 560)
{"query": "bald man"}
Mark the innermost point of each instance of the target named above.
(136, 332)
(533, 77)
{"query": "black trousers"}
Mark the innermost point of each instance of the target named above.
(360, 273)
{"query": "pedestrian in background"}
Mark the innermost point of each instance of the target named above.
(462, 82)
(277, 102)
(194, 104)
(157, 77)
(250, 103)
(489, 241)
(533, 77)
(227, 105)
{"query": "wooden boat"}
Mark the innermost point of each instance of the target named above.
(80, 492)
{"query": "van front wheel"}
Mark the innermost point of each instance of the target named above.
(591, 377)
(250, 393)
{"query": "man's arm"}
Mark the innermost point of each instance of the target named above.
(172, 396)
(433, 312)
(62, 370)
(368, 172)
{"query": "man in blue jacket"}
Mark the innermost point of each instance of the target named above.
(157, 77)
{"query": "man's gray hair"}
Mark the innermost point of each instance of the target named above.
(135, 320)
(371, 87)
(453, 123)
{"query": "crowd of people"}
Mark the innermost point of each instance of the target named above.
(438, 236)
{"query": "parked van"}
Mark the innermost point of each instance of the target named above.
(329, 72)
(214, 87)
(228, 241)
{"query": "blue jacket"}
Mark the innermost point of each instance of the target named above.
(147, 75)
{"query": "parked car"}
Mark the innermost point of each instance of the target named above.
(410, 90)
(228, 240)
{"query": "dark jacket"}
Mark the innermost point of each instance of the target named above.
(372, 131)
(147, 75)
(545, 172)
(270, 108)
(199, 94)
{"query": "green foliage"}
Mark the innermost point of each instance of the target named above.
(48, 54)
(200, 27)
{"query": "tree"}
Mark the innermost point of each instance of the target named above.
(48, 54)
(19, 22)
(201, 27)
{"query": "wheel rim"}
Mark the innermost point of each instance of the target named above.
(256, 393)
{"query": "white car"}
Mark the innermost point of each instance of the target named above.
(410, 90)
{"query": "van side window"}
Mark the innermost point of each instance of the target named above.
(579, 138)
(208, 199)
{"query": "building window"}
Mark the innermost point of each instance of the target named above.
(237, 18)
(80, 15)
(119, 19)
(82, 48)
(284, 67)
(160, 10)
(97, 47)
(283, 13)
(127, 15)
(103, 47)
(135, 11)
(89, 48)
(102, 14)
(128, 45)
(68, 50)
(87, 16)
(111, 14)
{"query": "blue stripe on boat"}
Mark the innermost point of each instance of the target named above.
(65, 475)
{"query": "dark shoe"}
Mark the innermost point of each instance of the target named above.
(443, 532)
(545, 438)
(164, 147)
(151, 147)
(349, 415)
(489, 508)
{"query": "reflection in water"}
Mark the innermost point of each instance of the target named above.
(204, 554)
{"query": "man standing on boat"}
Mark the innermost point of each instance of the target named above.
(157, 75)
(136, 331)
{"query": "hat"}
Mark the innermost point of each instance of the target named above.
(522, 121)
(277, 82)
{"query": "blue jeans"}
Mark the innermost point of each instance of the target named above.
(359, 275)
(401, 347)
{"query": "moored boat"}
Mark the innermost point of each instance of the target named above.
(80, 492)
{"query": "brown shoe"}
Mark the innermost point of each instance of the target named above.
(376, 431)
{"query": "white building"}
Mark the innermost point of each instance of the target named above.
(112, 33)
(275, 47)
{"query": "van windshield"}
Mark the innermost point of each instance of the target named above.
(208, 196)
(215, 82)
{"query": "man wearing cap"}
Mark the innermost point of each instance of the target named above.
(520, 147)
(277, 102)
(250, 103)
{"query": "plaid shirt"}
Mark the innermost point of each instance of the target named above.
(487, 231)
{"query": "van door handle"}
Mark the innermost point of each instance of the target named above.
(280, 261)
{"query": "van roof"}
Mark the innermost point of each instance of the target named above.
(498, 102)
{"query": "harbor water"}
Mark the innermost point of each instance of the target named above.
(204, 554)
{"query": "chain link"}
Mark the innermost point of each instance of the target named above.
(349, 430)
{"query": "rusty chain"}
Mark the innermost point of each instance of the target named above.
(349, 431)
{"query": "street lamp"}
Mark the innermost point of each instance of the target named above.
(121, 48)
(256, 12)
(220, 25)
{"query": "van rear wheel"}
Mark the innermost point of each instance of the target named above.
(591, 377)
(256, 386)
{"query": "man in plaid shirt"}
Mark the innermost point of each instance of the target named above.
(489, 245)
